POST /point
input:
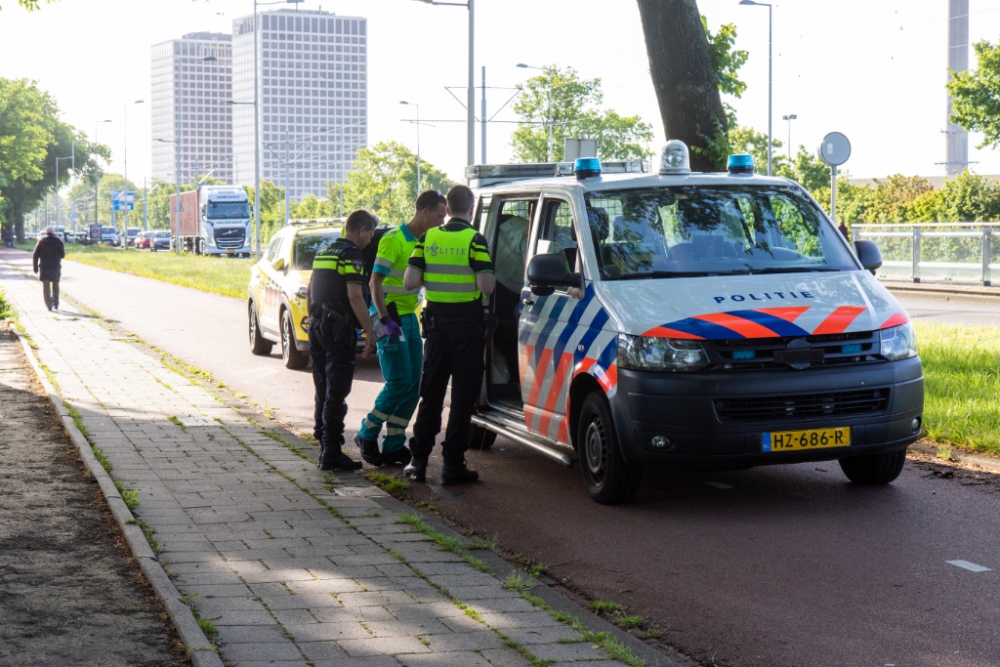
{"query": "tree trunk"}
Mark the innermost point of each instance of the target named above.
(684, 79)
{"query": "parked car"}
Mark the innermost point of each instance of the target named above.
(132, 233)
(144, 240)
(276, 293)
(111, 236)
(160, 241)
(83, 238)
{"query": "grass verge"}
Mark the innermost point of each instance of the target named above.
(452, 544)
(394, 486)
(227, 276)
(961, 385)
(5, 311)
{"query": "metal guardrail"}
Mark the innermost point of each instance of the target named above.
(969, 241)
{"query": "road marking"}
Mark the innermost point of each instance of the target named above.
(719, 485)
(966, 565)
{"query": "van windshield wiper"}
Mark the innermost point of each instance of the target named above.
(794, 269)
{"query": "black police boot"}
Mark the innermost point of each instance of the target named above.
(319, 456)
(400, 457)
(416, 471)
(333, 458)
(457, 473)
(369, 451)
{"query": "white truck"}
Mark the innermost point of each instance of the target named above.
(216, 220)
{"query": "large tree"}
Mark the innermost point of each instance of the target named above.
(384, 181)
(685, 78)
(561, 99)
(975, 95)
(31, 138)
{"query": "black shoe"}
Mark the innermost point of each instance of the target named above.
(369, 451)
(457, 474)
(340, 461)
(416, 471)
(399, 457)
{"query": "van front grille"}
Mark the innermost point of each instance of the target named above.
(803, 406)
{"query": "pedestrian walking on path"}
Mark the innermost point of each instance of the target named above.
(46, 261)
(453, 265)
(338, 305)
(401, 351)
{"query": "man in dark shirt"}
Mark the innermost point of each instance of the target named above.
(453, 265)
(48, 255)
(338, 298)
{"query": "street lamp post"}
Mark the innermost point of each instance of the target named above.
(414, 104)
(124, 242)
(470, 106)
(178, 209)
(790, 117)
(71, 156)
(770, 60)
(97, 173)
(551, 73)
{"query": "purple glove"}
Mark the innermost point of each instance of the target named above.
(391, 328)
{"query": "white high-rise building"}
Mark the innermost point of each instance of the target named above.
(313, 89)
(191, 83)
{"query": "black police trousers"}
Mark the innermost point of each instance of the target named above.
(333, 364)
(453, 350)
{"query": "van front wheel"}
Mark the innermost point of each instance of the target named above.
(610, 480)
(481, 438)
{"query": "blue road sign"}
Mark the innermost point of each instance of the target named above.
(123, 200)
(74, 216)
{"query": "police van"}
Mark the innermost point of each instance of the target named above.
(673, 318)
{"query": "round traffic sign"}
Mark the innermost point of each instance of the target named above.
(835, 149)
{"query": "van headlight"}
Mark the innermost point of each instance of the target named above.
(645, 353)
(899, 342)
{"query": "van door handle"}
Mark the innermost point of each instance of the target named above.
(528, 302)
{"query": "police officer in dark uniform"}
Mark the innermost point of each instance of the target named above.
(338, 299)
(453, 265)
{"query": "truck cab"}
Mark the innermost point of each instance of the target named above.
(651, 318)
(224, 221)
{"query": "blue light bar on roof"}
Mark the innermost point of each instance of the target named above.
(740, 163)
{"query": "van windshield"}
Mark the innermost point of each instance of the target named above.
(307, 246)
(229, 210)
(697, 230)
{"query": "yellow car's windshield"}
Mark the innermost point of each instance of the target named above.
(307, 245)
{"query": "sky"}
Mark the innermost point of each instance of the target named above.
(871, 69)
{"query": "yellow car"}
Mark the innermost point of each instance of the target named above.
(276, 306)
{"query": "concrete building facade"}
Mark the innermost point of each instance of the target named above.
(313, 96)
(191, 85)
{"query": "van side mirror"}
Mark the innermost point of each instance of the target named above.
(278, 263)
(548, 271)
(868, 254)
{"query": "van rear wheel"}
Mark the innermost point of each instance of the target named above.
(874, 469)
(610, 479)
(481, 438)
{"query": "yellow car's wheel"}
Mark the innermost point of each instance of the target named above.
(289, 353)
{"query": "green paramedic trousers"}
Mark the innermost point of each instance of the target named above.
(401, 361)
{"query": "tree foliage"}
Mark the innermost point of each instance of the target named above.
(31, 138)
(569, 103)
(384, 181)
(975, 95)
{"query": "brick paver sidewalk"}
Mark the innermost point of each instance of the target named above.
(290, 570)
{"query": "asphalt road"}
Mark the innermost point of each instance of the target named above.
(788, 566)
(951, 309)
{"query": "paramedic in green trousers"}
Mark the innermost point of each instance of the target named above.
(453, 265)
(401, 351)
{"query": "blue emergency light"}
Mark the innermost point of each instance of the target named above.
(740, 163)
(587, 167)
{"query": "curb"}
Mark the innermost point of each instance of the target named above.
(198, 647)
(501, 569)
(990, 464)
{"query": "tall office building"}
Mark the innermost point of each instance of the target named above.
(313, 90)
(191, 81)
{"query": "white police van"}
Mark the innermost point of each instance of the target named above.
(714, 320)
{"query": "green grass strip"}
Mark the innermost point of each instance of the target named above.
(227, 276)
(961, 385)
(611, 645)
